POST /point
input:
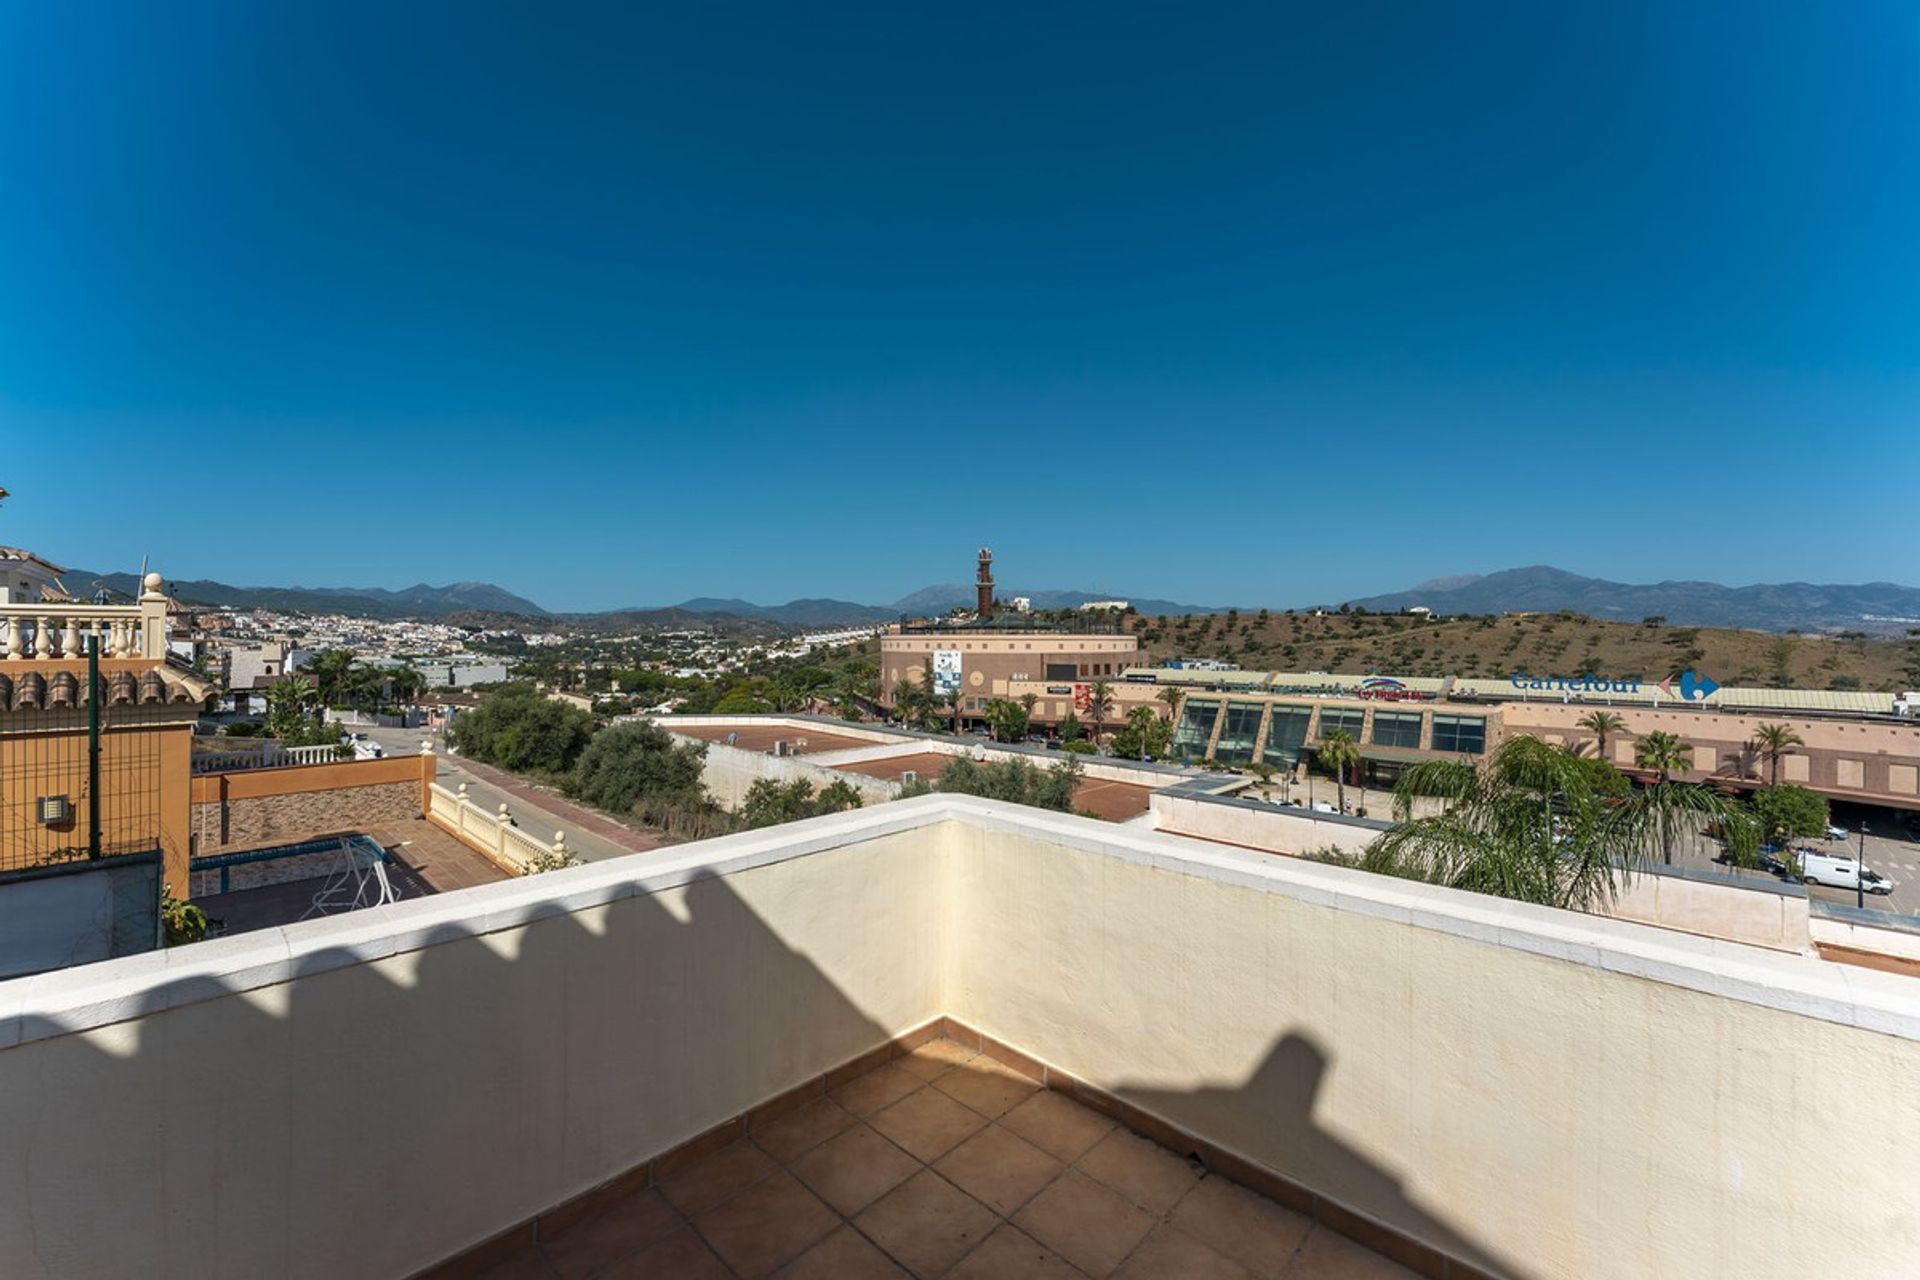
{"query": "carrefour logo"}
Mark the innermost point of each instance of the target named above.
(1694, 687)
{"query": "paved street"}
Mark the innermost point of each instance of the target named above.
(590, 836)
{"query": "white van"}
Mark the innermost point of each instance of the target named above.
(1838, 873)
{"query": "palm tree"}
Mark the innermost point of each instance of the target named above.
(1600, 724)
(1099, 706)
(1773, 741)
(1173, 698)
(1540, 823)
(1663, 753)
(1339, 752)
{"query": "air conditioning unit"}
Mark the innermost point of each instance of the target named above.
(733, 739)
(782, 748)
(909, 776)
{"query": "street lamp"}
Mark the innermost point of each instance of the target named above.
(1860, 871)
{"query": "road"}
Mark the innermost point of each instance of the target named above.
(591, 837)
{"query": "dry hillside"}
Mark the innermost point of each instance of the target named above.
(1559, 644)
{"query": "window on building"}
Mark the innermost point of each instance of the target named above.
(1060, 671)
(1286, 734)
(1351, 719)
(1396, 728)
(1467, 734)
(1238, 732)
(1196, 727)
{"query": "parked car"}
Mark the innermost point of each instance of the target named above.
(1840, 873)
(1837, 832)
(1767, 858)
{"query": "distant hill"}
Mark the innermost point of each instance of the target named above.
(1873, 607)
(418, 601)
(1546, 643)
(795, 613)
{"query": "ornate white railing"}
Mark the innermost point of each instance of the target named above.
(268, 755)
(49, 629)
(493, 834)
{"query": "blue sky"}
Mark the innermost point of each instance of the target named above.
(622, 304)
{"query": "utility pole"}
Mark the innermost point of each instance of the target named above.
(1860, 872)
(93, 745)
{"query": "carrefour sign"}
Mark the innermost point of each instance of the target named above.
(1689, 686)
(1588, 683)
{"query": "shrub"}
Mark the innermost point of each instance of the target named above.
(517, 727)
(627, 761)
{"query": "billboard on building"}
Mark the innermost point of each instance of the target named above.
(946, 672)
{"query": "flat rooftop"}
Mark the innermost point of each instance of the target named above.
(1113, 801)
(751, 737)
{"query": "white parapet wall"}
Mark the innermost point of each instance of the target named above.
(1541, 1093)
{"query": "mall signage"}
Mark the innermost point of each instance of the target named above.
(1689, 686)
(1384, 689)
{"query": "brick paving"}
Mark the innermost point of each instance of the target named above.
(945, 1163)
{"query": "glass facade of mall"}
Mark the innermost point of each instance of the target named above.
(1291, 726)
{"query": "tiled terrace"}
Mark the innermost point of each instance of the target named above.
(945, 1163)
(426, 861)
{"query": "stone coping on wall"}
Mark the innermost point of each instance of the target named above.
(113, 991)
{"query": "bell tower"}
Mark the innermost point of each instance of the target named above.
(983, 584)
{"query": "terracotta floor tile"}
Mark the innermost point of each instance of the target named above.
(928, 1124)
(1328, 1255)
(853, 1170)
(525, 1265)
(1011, 1254)
(876, 1090)
(804, 1129)
(1252, 1230)
(1170, 1254)
(844, 1255)
(619, 1230)
(726, 1172)
(998, 1169)
(935, 1058)
(1144, 1172)
(766, 1226)
(1089, 1225)
(680, 1256)
(1057, 1125)
(987, 1087)
(927, 1224)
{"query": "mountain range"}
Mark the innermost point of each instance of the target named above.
(1873, 607)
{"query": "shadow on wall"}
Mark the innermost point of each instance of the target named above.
(1286, 1087)
(373, 1119)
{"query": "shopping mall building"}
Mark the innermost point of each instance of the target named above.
(1855, 746)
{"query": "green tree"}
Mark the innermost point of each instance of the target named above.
(1601, 724)
(329, 670)
(519, 728)
(626, 762)
(1664, 754)
(1008, 720)
(1172, 697)
(1341, 754)
(1099, 706)
(1538, 823)
(1070, 729)
(1144, 735)
(1013, 780)
(1791, 813)
(1774, 741)
(769, 803)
